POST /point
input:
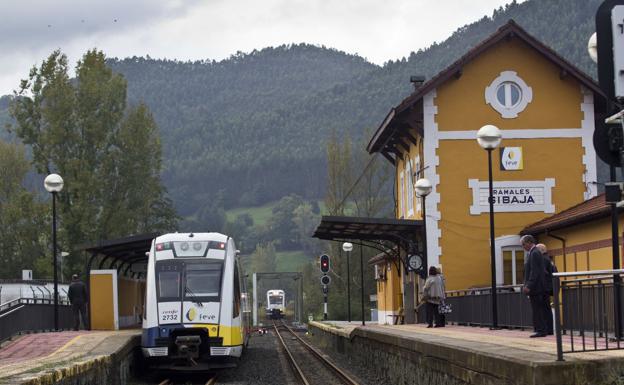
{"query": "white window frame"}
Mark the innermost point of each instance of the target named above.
(409, 186)
(511, 112)
(401, 196)
(504, 242)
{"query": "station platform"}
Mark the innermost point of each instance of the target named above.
(465, 355)
(98, 357)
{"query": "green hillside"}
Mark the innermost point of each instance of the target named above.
(252, 128)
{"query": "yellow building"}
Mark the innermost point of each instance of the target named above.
(579, 238)
(545, 108)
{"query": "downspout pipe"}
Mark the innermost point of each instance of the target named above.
(563, 246)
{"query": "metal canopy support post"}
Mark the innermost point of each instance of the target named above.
(362, 282)
(255, 300)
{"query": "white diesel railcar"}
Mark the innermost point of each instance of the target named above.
(276, 304)
(195, 299)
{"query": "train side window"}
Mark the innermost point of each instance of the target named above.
(237, 293)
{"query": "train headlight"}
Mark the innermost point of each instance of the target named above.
(184, 246)
(197, 246)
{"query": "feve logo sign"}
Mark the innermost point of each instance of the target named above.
(511, 158)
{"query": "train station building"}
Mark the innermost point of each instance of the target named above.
(545, 108)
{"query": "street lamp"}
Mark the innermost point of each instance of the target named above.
(489, 137)
(347, 247)
(53, 183)
(423, 188)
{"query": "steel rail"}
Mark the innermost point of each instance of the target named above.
(294, 364)
(211, 381)
(344, 377)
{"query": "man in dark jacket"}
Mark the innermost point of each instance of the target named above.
(78, 298)
(535, 285)
(550, 268)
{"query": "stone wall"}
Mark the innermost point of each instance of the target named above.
(102, 370)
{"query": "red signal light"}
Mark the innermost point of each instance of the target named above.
(325, 263)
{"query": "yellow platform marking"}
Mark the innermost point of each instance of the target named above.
(68, 344)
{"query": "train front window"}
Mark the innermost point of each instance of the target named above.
(275, 299)
(169, 284)
(203, 281)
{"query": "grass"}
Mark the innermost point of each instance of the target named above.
(291, 260)
(260, 214)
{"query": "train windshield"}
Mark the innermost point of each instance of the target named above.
(203, 281)
(199, 280)
(275, 299)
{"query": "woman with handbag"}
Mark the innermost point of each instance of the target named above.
(433, 294)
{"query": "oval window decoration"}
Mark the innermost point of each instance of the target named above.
(508, 94)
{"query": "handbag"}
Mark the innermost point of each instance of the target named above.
(445, 308)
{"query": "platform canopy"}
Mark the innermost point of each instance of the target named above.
(398, 231)
(122, 251)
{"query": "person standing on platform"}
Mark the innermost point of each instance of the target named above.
(433, 295)
(550, 269)
(78, 298)
(535, 285)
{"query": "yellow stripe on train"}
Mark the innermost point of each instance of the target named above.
(232, 335)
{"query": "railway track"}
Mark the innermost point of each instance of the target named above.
(211, 381)
(309, 365)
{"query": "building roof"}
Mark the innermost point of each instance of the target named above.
(589, 210)
(393, 122)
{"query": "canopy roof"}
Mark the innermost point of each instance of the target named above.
(128, 250)
(368, 229)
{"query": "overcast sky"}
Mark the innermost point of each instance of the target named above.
(379, 30)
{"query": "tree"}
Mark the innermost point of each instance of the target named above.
(263, 259)
(23, 219)
(108, 155)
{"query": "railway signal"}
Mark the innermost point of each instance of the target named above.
(325, 280)
(324, 263)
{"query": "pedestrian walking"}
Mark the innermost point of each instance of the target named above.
(433, 295)
(535, 285)
(550, 269)
(78, 298)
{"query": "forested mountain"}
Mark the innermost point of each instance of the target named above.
(252, 128)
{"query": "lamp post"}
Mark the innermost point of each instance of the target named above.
(423, 188)
(347, 247)
(53, 183)
(489, 137)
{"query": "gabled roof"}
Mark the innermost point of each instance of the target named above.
(509, 30)
(589, 210)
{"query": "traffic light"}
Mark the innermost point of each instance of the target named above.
(325, 263)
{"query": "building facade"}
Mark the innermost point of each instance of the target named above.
(546, 163)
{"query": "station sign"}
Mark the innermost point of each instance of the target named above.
(512, 196)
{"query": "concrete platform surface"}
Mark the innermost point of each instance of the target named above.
(59, 354)
(517, 343)
(468, 355)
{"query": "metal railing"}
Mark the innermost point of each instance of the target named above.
(473, 307)
(585, 311)
(32, 314)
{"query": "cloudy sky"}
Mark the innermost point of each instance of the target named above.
(378, 30)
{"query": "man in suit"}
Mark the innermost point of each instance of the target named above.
(535, 285)
(550, 268)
